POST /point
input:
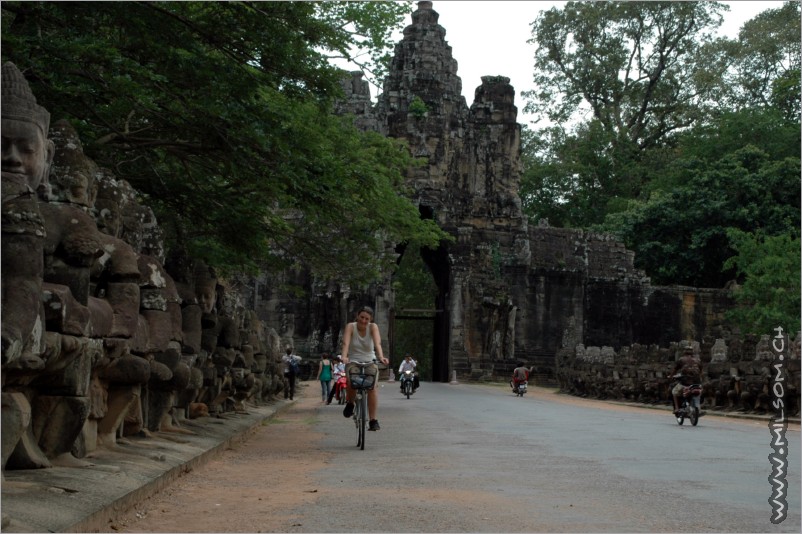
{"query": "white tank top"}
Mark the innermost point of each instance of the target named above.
(361, 349)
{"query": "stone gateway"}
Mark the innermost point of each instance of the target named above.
(507, 290)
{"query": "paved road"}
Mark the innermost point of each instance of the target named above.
(474, 458)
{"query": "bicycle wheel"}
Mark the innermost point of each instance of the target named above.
(363, 418)
(360, 432)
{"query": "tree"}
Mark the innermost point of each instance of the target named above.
(669, 123)
(566, 186)
(769, 269)
(620, 80)
(765, 62)
(219, 114)
(682, 236)
(634, 65)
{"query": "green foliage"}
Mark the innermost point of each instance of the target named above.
(765, 61)
(573, 179)
(634, 74)
(770, 293)
(364, 31)
(786, 95)
(418, 107)
(219, 114)
(681, 236)
(763, 128)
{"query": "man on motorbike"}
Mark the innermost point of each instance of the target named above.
(689, 369)
(519, 375)
(408, 364)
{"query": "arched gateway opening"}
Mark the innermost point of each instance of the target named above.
(419, 321)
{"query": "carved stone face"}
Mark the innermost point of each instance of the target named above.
(207, 295)
(108, 204)
(27, 156)
(72, 178)
(77, 188)
(108, 217)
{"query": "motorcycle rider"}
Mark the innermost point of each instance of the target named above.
(519, 375)
(689, 369)
(408, 364)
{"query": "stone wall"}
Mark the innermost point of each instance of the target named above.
(737, 374)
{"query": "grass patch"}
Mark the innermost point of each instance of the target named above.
(280, 421)
(274, 421)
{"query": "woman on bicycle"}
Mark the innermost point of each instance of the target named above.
(362, 343)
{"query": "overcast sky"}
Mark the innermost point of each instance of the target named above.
(488, 37)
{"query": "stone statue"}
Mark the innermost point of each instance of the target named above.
(62, 391)
(74, 369)
(27, 156)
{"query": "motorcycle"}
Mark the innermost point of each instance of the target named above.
(339, 389)
(407, 383)
(520, 388)
(691, 404)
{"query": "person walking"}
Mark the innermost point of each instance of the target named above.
(362, 343)
(324, 375)
(291, 370)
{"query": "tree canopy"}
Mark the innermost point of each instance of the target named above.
(635, 65)
(219, 114)
(681, 236)
(764, 62)
(683, 144)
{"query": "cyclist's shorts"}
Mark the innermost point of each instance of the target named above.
(360, 381)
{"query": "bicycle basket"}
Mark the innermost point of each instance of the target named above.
(362, 381)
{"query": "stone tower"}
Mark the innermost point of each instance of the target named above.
(470, 187)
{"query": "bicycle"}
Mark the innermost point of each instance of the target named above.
(361, 382)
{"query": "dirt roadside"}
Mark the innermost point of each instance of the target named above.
(260, 478)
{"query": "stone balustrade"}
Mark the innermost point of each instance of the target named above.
(737, 374)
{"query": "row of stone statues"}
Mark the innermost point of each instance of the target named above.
(736, 375)
(104, 334)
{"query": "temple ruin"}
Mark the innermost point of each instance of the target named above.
(107, 334)
(508, 290)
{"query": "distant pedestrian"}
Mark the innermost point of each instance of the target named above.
(291, 371)
(324, 375)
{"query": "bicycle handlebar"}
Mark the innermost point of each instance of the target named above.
(364, 364)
